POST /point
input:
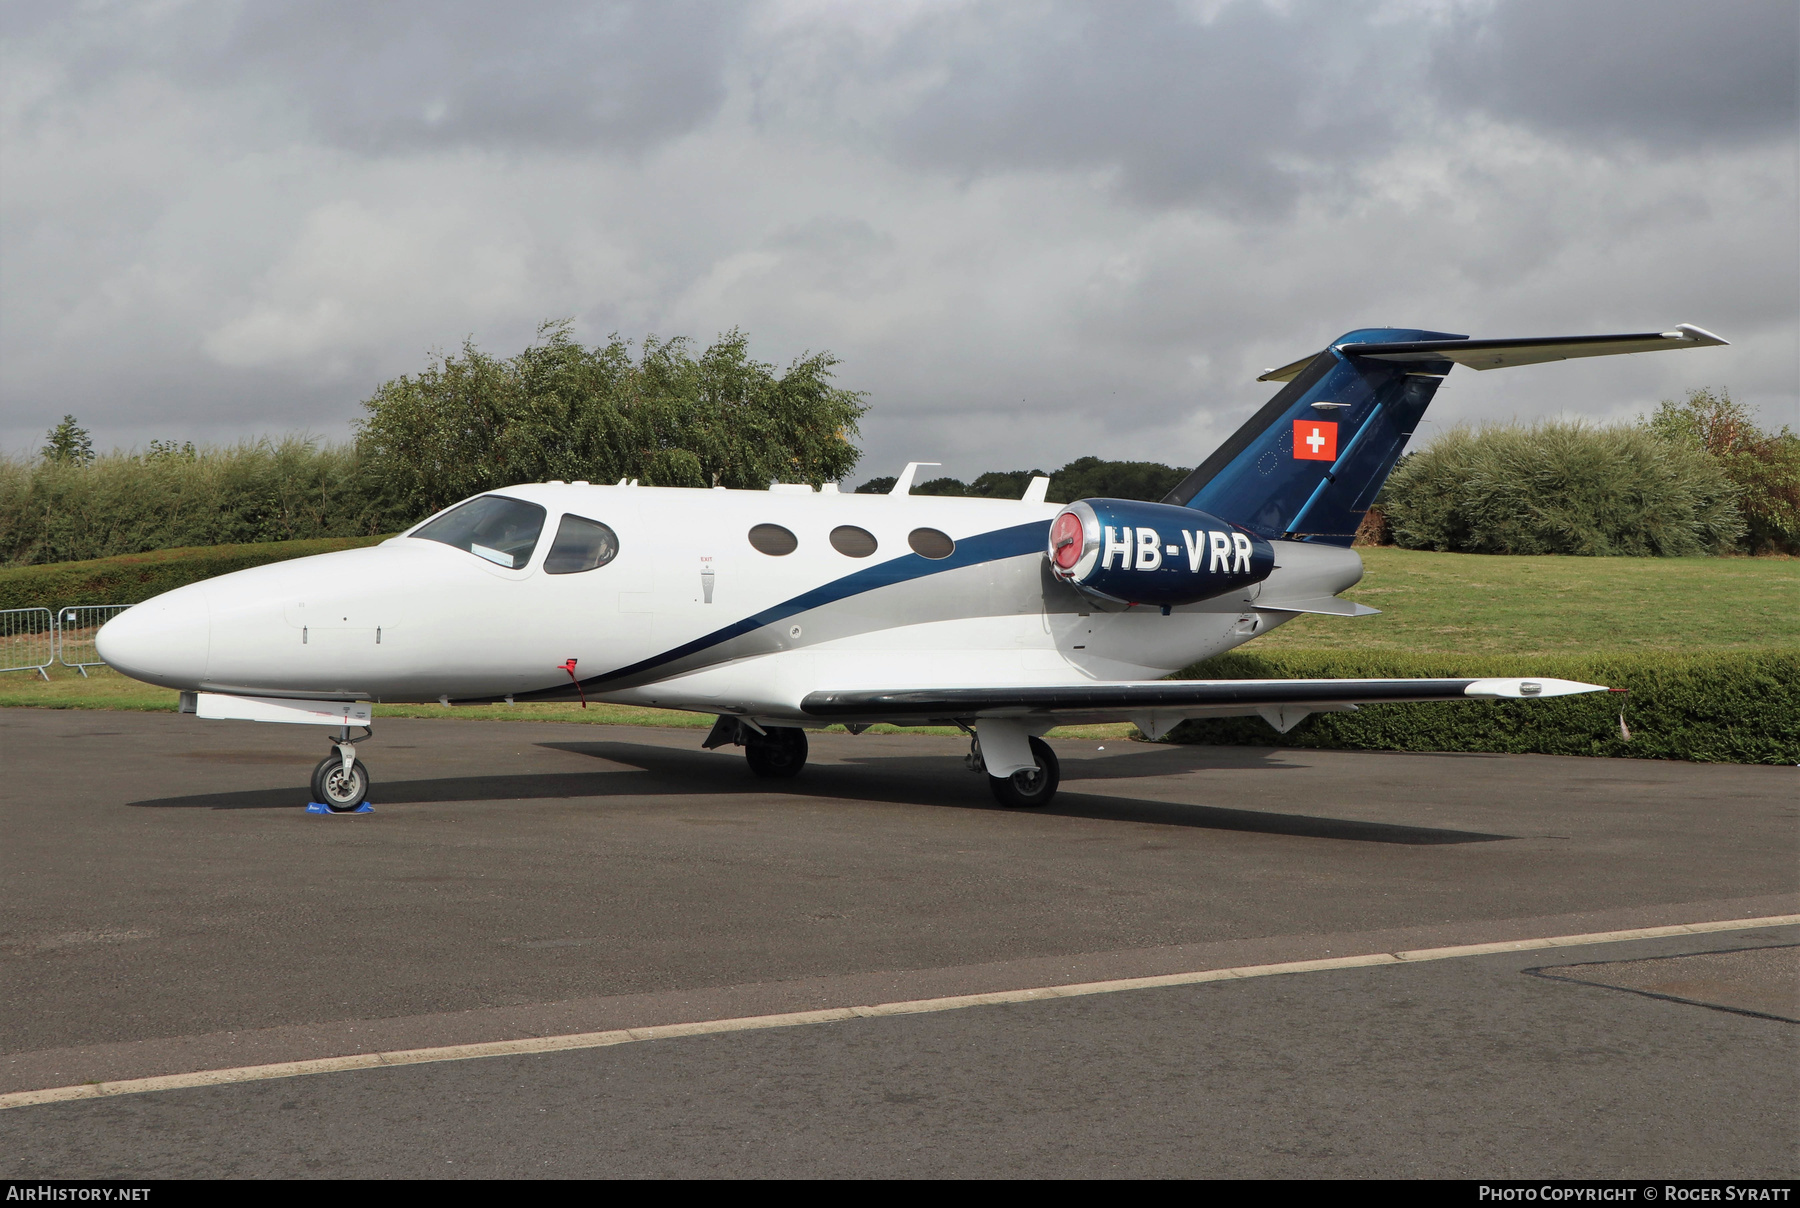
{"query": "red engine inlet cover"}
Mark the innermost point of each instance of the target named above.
(1065, 540)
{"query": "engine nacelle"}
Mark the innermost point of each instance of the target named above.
(1153, 553)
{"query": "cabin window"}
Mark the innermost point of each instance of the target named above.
(773, 539)
(581, 544)
(503, 531)
(852, 542)
(929, 543)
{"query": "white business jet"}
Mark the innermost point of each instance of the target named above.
(783, 610)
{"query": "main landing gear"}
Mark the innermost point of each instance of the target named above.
(1023, 790)
(779, 752)
(775, 752)
(341, 782)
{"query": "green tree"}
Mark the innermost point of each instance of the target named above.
(673, 468)
(1764, 466)
(68, 444)
(1004, 484)
(1092, 478)
(1083, 478)
(472, 422)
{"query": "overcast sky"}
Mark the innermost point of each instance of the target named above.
(1032, 231)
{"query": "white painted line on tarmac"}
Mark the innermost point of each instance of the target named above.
(793, 1019)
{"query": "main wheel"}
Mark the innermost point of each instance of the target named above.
(778, 754)
(1029, 789)
(338, 792)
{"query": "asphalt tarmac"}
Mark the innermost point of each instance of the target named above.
(169, 908)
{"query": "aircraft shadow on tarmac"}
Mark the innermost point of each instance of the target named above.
(651, 770)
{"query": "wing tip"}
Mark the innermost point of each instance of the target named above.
(1699, 335)
(1528, 688)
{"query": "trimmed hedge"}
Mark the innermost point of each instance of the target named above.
(1724, 707)
(130, 503)
(133, 578)
(1562, 488)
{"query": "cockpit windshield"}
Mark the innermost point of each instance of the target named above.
(502, 530)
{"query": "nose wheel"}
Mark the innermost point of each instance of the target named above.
(339, 790)
(340, 782)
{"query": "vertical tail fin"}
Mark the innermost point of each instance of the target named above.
(1309, 463)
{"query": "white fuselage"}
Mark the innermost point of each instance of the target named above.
(689, 615)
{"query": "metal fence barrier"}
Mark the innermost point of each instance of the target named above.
(27, 640)
(76, 626)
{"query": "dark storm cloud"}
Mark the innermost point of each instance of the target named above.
(396, 76)
(1242, 110)
(1661, 73)
(1098, 220)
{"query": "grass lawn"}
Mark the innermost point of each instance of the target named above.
(1487, 604)
(1432, 603)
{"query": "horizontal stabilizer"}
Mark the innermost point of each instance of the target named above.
(1536, 350)
(1327, 606)
(1201, 697)
(1502, 354)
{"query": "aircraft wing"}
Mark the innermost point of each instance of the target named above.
(1094, 701)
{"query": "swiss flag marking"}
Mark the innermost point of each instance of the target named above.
(1315, 440)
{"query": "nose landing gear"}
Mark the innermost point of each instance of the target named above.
(340, 782)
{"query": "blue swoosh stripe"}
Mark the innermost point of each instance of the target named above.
(970, 551)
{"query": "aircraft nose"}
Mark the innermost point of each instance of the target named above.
(164, 640)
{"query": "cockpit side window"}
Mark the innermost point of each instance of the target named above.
(580, 544)
(502, 530)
